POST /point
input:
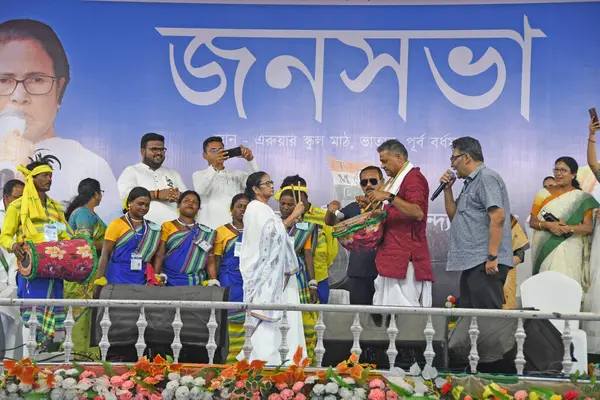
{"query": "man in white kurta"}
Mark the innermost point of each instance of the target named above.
(216, 185)
(12, 324)
(164, 184)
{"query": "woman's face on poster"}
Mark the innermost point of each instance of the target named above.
(22, 59)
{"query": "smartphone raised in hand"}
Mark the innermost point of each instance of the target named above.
(593, 115)
(234, 152)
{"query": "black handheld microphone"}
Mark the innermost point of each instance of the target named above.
(441, 187)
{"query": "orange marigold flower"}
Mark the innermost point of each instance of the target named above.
(353, 358)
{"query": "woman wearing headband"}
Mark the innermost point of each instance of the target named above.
(129, 243)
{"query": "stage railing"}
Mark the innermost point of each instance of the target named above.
(355, 328)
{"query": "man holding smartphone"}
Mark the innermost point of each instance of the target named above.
(216, 185)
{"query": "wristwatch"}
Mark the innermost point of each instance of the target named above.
(391, 198)
(492, 257)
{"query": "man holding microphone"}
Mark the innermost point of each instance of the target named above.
(480, 237)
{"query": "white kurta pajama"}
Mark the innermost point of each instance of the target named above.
(406, 292)
(216, 189)
(162, 178)
(267, 261)
(12, 324)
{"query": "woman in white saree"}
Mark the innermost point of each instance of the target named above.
(268, 266)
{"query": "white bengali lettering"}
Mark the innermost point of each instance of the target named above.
(439, 220)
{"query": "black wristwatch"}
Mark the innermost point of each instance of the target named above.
(391, 198)
(492, 257)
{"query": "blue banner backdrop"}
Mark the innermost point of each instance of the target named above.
(314, 89)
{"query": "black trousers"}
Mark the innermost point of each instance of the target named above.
(361, 290)
(480, 290)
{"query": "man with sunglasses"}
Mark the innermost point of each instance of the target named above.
(361, 265)
(480, 233)
(164, 184)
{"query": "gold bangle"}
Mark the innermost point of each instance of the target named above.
(590, 140)
(540, 226)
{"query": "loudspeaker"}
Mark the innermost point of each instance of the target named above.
(123, 333)
(374, 340)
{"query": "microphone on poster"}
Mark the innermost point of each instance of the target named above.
(12, 120)
(441, 187)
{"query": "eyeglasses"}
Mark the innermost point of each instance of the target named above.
(560, 171)
(35, 85)
(364, 182)
(267, 183)
(456, 157)
(157, 149)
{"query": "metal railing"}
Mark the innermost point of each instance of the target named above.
(284, 327)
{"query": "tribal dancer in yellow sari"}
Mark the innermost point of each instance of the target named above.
(30, 219)
(84, 221)
(304, 243)
(563, 246)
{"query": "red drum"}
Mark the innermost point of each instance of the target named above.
(72, 260)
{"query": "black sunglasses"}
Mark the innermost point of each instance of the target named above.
(364, 182)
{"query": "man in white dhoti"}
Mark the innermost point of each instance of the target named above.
(403, 263)
(12, 324)
(217, 185)
(268, 265)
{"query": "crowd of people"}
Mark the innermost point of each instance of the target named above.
(224, 233)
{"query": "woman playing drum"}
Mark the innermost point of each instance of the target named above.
(129, 243)
(185, 251)
(228, 243)
(37, 218)
(83, 220)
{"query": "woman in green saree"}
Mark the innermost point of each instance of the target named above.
(563, 246)
(84, 221)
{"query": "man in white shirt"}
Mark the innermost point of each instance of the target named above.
(217, 186)
(12, 325)
(164, 184)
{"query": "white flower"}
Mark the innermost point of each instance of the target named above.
(72, 372)
(396, 371)
(311, 380)
(167, 394)
(58, 380)
(43, 389)
(57, 394)
(330, 397)
(429, 372)
(195, 392)
(187, 380)
(415, 370)
(361, 393)
(199, 381)
(60, 372)
(318, 389)
(173, 385)
(402, 383)
(345, 393)
(349, 381)
(25, 388)
(225, 394)
(439, 382)
(174, 377)
(110, 396)
(182, 393)
(71, 394)
(332, 388)
(420, 387)
(3, 394)
(14, 396)
(12, 388)
(69, 383)
(84, 385)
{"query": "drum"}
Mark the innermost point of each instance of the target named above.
(73, 260)
(361, 233)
